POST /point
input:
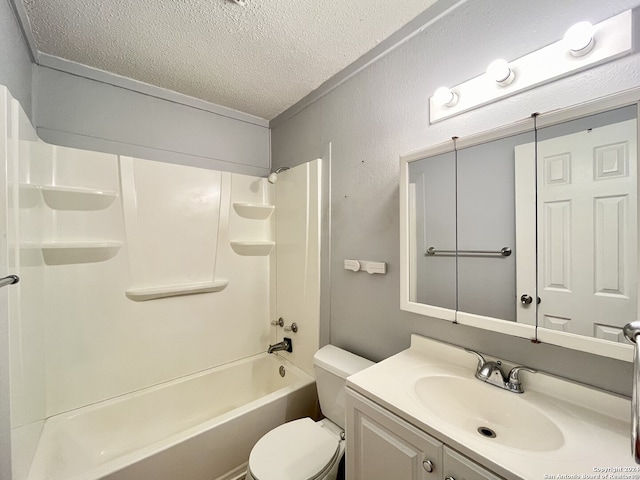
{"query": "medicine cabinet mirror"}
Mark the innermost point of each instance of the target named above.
(531, 229)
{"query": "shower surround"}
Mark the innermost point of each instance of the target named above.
(135, 273)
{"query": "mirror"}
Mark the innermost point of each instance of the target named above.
(432, 200)
(486, 222)
(560, 198)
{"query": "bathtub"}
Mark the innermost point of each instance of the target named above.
(200, 427)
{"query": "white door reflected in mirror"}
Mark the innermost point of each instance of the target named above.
(587, 225)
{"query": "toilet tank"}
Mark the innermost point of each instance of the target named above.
(332, 366)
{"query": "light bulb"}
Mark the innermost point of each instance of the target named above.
(445, 97)
(500, 71)
(579, 39)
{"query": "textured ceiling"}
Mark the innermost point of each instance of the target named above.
(260, 58)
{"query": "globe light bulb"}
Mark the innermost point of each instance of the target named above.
(579, 39)
(500, 71)
(445, 97)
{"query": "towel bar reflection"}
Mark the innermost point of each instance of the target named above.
(504, 252)
(631, 331)
(9, 280)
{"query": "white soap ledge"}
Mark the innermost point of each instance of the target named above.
(77, 198)
(254, 211)
(250, 248)
(71, 252)
(151, 293)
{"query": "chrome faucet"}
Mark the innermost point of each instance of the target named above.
(491, 373)
(284, 345)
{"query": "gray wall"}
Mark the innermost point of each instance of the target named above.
(382, 112)
(75, 111)
(15, 64)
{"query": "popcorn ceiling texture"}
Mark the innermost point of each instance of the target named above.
(259, 59)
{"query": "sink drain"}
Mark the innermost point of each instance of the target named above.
(486, 432)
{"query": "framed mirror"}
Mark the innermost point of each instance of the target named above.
(531, 229)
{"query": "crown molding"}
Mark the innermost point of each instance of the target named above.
(25, 27)
(81, 70)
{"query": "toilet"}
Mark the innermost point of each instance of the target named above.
(304, 449)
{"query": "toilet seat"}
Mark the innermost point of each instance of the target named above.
(298, 450)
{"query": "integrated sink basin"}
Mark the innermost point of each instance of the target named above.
(556, 427)
(483, 410)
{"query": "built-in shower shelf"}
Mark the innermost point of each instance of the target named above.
(74, 198)
(256, 211)
(252, 248)
(69, 252)
(151, 293)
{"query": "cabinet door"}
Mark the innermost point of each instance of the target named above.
(381, 446)
(458, 467)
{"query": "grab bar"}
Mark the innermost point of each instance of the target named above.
(631, 331)
(504, 251)
(9, 280)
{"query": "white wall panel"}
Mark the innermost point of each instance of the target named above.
(298, 205)
(174, 225)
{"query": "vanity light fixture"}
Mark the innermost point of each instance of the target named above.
(500, 71)
(445, 97)
(579, 39)
(590, 46)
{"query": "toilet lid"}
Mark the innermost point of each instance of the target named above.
(298, 450)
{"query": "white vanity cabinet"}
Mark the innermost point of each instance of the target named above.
(382, 446)
(459, 467)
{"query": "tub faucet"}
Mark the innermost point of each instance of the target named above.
(491, 373)
(285, 345)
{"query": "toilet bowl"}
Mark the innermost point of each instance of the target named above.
(303, 449)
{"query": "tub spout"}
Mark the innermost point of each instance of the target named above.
(283, 345)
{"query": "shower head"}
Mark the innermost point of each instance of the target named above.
(273, 177)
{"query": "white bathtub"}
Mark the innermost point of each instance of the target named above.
(200, 427)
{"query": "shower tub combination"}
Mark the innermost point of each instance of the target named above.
(200, 427)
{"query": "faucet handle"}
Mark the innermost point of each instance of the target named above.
(514, 378)
(481, 359)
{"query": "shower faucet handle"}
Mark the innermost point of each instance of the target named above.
(278, 323)
(291, 328)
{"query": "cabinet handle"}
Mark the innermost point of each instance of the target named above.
(449, 478)
(428, 465)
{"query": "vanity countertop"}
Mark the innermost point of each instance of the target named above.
(583, 432)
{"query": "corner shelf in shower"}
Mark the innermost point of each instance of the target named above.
(151, 293)
(74, 198)
(70, 252)
(252, 248)
(255, 211)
